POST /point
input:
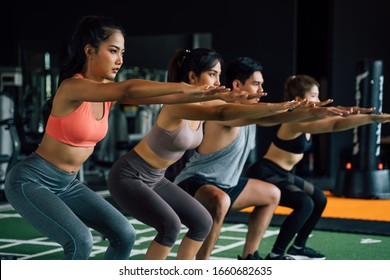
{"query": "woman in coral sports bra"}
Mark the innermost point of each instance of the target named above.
(137, 182)
(43, 188)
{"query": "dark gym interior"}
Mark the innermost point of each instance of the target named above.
(326, 39)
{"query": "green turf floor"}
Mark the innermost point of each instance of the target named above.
(18, 238)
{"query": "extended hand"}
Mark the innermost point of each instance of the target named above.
(357, 110)
(323, 112)
(204, 90)
(242, 97)
(289, 106)
(233, 96)
(322, 103)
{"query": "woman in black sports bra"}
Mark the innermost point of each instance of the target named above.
(290, 143)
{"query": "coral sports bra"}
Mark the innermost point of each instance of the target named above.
(79, 128)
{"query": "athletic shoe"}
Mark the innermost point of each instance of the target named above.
(304, 253)
(279, 257)
(255, 256)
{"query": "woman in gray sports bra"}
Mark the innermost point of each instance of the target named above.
(136, 181)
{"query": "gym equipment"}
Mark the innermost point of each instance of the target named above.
(363, 175)
(9, 139)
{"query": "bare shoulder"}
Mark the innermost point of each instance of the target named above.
(216, 137)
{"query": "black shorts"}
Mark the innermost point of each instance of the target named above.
(192, 184)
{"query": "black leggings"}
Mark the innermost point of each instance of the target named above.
(143, 192)
(307, 201)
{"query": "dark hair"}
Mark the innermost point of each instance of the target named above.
(197, 60)
(297, 86)
(241, 69)
(91, 30)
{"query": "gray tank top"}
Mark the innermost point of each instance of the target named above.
(171, 145)
(225, 166)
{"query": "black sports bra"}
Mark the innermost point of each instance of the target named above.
(298, 145)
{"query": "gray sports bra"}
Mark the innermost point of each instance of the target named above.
(171, 145)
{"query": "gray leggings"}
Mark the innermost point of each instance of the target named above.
(62, 208)
(143, 192)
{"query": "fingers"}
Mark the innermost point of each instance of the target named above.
(358, 110)
(292, 105)
(231, 96)
(331, 111)
(208, 87)
(254, 95)
(339, 111)
(366, 110)
(326, 102)
(320, 103)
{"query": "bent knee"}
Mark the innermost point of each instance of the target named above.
(216, 202)
(221, 206)
(127, 237)
(78, 248)
(200, 229)
(274, 195)
(322, 199)
(306, 203)
(168, 231)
